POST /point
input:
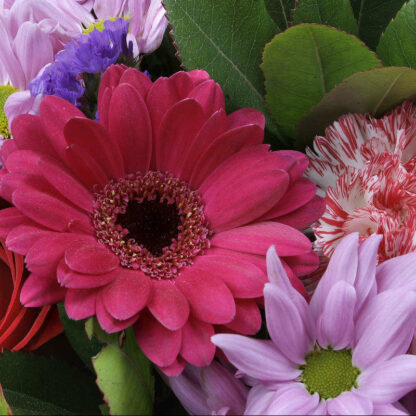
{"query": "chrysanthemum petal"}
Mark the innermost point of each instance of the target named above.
(197, 347)
(336, 323)
(350, 403)
(129, 122)
(127, 295)
(168, 305)
(159, 344)
(210, 299)
(389, 381)
(256, 358)
(389, 409)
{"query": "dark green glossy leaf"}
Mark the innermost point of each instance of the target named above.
(225, 38)
(281, 11)
(41, 380)
(373, 17)
(336, 13)
(303, 63)
(4, 406)
(397, 44)
(374, 92)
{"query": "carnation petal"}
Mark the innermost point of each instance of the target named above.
(210, 299)
(197, 348)
(160, 345)
(127, 295)
(168, 305)
(129, 121)
(256, 358)
(350, 403)
(390, 380)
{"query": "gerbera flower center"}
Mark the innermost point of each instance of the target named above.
(154, 223)
(5, 92)
(329, 373)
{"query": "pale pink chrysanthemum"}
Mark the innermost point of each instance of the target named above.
(345, 352)
(159, 215)
(147, 18)
(366, 169)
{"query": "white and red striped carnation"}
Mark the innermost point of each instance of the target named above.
(366, 168)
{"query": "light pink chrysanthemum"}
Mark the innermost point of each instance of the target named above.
(147, 19)
(366, 168)
(211, 390)
(344, 353)
(43, 26)
(160, 215)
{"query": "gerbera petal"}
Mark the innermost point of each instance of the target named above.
(80, 304)
(90, 258)
(138, 80)
(197, 348)
(350, 403)
(257, 238)
(385, 328)
(45, 209)
(389, 381)
(177, 132)
(336, 323)
(23, 237)
(175, 368)
(65, 183)
(209, 95)
(210, 299)
(159, 344)
(246, 116)
(90, 136)
(244, 279)
(127, 295)
(54, 114)
(168, 305)
(256, 358)
(23, 161)
(10, 218)
(40, 290)
(286, 326)
(247, 318)
(129, 122)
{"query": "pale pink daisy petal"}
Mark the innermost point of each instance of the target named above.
(350, 403)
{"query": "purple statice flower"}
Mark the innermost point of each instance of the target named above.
(91, 53)
(344, 353)
(211, 390)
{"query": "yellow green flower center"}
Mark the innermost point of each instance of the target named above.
(5, 92)
(329, 373)
(100, 26)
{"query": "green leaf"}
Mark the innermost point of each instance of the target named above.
(336, 13)
(124, 374)
(225, 38)
(303, 63)
(397, 44)
(77, 337)
(373, 17)
(4, 406)
(48, 382)
(375, 92)
(281, 11)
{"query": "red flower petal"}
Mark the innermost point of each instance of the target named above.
(197, 347)
(175, 368)
(138, 80)
(10, 218)
(23, 237)
(129, 122)
(90, 258)
(247, 319)
(209, 94)
(80, 304)
(168, 305)
(158, 343)
(41, 290)
(210, 299)
(127, 295)
(245, 117)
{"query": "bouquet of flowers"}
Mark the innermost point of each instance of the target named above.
(207, 207)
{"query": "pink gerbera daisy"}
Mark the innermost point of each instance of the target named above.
(159, 215)
(366, 168)
(342, 354)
